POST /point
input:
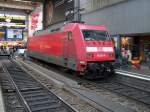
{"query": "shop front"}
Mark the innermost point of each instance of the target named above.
(144, 47)
(133, 47)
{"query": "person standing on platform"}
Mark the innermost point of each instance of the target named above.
(2, 50)
(11, 52)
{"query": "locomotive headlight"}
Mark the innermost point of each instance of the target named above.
(82, 62)
(90, 55)
(111, 55)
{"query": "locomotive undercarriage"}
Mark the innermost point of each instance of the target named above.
(99, 70)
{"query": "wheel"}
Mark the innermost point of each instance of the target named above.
(94, 71)
(109, 70)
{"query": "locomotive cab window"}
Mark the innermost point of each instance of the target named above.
(95, 35)
(69, 35)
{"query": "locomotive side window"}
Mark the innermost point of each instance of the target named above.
(69, 35)
(95, 35)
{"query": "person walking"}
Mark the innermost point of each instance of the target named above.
(11, 52)
(2, 49)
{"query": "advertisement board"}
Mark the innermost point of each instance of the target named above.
(2, 35)
(13, 21)
(14, 34)
(36, 20)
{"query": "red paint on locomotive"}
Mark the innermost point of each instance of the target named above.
(75, 46)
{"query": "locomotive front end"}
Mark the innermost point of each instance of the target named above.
(100, 53)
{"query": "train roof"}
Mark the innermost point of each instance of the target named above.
(70, 27)
(82, 26)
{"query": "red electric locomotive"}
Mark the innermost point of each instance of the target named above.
(83, 48)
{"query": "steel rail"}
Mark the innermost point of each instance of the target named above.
(27, 108)
(37, 89)
(44, 86)
(101, 84)
(125, 90)
(76, 92)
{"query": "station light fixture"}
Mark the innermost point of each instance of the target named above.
(22, 1)
(17, 0)
(8, 20)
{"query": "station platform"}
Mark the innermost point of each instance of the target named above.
(143, 73)
(1, 101)
(144, 70)
(2, 109)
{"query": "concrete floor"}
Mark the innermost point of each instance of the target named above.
(2, 109)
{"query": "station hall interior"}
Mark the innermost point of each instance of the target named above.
(75, 55)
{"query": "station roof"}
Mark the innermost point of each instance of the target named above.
(19, 4)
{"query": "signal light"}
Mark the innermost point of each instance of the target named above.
(82, 62)
(111, 55)
(90, 55)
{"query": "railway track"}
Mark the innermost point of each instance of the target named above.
(128, 91)
(125, 91)
(120, 85)
(123, 87)
(34, 97)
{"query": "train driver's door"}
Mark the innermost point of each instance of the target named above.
(67, 45)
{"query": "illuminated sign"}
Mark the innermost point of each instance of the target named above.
(16, 21)
(36, 20)
(17, 25)
(15, 17)
(14, 34)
